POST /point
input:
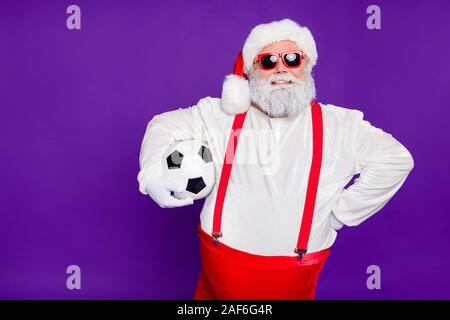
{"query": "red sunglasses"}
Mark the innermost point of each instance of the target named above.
(291, 59)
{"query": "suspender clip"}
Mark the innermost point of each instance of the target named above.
(216, 236)
(300, 253)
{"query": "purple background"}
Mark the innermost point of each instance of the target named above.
(74, 106)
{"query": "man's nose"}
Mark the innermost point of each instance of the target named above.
(280, 68)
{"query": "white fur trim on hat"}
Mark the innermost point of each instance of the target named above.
(235, 94)
(264, 34)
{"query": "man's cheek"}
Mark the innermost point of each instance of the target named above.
(265, 74)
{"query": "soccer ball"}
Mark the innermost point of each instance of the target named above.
(189, 163)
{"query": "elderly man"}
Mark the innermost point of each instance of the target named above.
(282, 162)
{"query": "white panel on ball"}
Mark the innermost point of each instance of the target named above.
(189, 163)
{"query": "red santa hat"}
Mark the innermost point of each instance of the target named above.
(236, 91)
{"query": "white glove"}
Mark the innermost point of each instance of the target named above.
(335, 223)
(159, 189)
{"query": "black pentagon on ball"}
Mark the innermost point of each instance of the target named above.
(174, 160)
(205, 154)
(195, 185)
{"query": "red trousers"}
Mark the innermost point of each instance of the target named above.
(231, 274)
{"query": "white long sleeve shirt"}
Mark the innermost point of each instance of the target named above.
(266, 192)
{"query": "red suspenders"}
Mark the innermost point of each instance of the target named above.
(225, 176)
(313, 181)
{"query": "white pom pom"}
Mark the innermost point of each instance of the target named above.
(235, 94)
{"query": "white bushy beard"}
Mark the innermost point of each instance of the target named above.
(282, 101)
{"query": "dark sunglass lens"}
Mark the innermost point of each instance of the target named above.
(269, 61)
(292, 59)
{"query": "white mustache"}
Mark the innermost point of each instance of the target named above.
(282, 77)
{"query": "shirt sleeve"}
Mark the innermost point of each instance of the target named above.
(164, 130)
(383, 164)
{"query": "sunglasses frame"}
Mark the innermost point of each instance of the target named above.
(280, 55)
